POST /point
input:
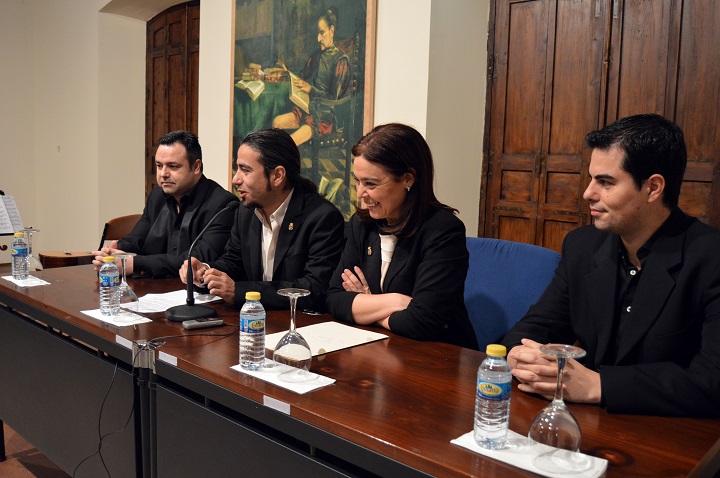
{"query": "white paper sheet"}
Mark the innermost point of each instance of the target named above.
(10, 221)
(124, 318)
(161, 302)
(272, 370)
(521, 451)
(328, 337)
(31, 281)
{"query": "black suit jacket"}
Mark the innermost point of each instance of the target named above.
(430, 267)
(149, 237)
(668, 359)
(308, 249)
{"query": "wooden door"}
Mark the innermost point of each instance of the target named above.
(173, 50)
(562, 68)
(545, 96)
(666, 61)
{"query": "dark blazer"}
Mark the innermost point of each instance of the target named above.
(149, 237)
(668, 358)
(308, 249)
(430, 267)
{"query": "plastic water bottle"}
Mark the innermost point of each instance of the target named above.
(252, 332)
(20, 258)
(492, 404)
(109, 278)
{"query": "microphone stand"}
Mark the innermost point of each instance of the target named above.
(190, 311)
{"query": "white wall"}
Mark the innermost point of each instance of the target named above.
(17, 164)
(73, 82)
(121, 117)
(65, 93)
(73, 102)
(402, 62)
(456, 102)
(215, 87)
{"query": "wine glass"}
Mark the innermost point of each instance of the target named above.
(293, 349)
(33, 263)
(128, 298)
(555, 425)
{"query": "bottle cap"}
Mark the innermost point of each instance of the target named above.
(19, 234)
(108, 259)
(496, 350)
(252, 295)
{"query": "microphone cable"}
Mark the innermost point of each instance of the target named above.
(102, 437)
(152, 343)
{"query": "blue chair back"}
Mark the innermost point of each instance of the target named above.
(504, 279)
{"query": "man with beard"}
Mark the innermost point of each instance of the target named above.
(287, 235)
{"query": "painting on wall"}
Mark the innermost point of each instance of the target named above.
(307, 66)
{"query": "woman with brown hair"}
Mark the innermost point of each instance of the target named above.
(405, 259)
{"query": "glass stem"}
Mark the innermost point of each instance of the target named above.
(293, 305)
(560, 376)
(122, 261)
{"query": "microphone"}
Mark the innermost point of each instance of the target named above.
(190, 311)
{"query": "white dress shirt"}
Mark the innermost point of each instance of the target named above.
(387, 248)
(270, 232)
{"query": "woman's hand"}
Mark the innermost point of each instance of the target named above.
(355, 282)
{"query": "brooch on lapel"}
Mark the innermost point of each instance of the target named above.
(369, 251)
(290, 226)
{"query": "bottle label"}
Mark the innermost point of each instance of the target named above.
(252, 325)
(493, 391)
(109, 281)
(19, 251)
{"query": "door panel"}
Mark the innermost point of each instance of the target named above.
(545, 97)
(696, 111)
(518, 92)
(173, 39)
(640, 58)
(563, 68)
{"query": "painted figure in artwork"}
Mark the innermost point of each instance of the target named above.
(326, 75)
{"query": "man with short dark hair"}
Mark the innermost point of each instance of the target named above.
(639, 290)
(175, 213)
(286, 236)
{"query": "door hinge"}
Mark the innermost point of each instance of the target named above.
(539, 164)
(489, 164)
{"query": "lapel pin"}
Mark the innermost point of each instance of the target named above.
(369, 251)
(290, 226)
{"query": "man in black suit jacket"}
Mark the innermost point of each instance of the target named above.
(175, 213)
(639, 290)
(286, 236)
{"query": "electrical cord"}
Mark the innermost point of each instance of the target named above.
(160, 341)
(152, 343)
(102, 437)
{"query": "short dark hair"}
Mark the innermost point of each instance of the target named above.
(400, 149)
(188, 140)
(277, 148)
(651, 145)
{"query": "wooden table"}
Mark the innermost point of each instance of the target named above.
(51, 259)
(393, 410)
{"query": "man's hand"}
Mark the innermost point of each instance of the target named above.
(302, 85)
(537, 373)
(220, 284)
(198, 272)
(109, 251)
